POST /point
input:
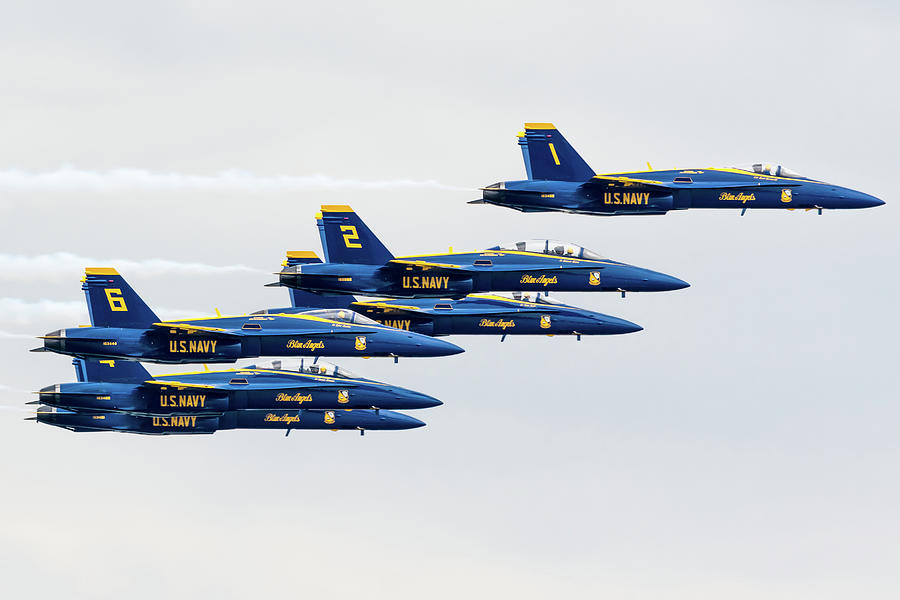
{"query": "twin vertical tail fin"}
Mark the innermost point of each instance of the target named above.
(346, 239)
(111, 301)
(304, 299)
(549, 156)
(117, 371)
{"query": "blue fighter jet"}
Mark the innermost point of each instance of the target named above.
(560, 180)
(476, 314)
(122, 396)
(358, 263)
(126, 386)
(286, 420)
(124, 327)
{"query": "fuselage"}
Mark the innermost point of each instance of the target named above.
(233, 389)
(486, 314)
(662, 191)
(239, 419)
(226, 339)
(458, 274)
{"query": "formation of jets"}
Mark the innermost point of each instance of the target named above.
(407, 303)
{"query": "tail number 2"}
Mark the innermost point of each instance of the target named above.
(115, 299)
(351, 237)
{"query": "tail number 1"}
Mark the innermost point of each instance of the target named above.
(115, 299)
(351, 237)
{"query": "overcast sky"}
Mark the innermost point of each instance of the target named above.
(744, 445)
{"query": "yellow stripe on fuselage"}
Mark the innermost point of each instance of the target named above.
(512, 252)
(624, 175)
(238, 370)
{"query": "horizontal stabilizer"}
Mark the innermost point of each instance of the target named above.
(179, 384)
(188, 328)
(121, 371)
(424, 265)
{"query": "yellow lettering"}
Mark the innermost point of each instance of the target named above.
(115, 299)
(286, 418)
(305, 344)
(499, 323)
(739, 197)
(540, 280)
(351, 237)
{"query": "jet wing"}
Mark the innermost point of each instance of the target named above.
(457, 309)
(256, 386)
(687, 184)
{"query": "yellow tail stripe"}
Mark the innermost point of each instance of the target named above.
(553, 152)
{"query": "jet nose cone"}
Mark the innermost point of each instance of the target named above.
(396, 420)
(616, 326)
(852, 199)
(419, 400)
(434, 347)
(867, 201)
(651, 281)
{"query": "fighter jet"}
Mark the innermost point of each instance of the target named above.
(124, 327)
(122, 396)
(475, 314)
(560, 180)
(358, 263)
(126, 386)
(286, 420)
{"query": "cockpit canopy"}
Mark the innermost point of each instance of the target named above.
(770, 168)
(554, 247)
(535, 297)
(321, 367)
(341, 314)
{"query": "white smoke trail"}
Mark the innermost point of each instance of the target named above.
(6, 335)
(69, 177)
(48, 266)
(18, 312)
